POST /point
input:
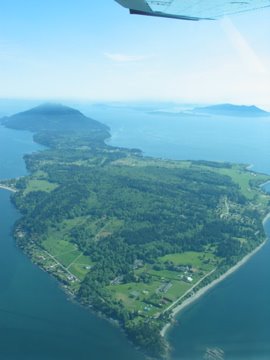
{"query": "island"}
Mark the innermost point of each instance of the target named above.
(134, 238)
(227, 110)
(231, 110)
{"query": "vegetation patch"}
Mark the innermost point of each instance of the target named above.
(39, 185)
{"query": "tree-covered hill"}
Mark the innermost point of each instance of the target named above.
(53, 117)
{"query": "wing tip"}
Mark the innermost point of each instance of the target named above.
(168, 16)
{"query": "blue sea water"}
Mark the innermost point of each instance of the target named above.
(38, 322)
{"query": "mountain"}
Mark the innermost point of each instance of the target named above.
(232, 110)
(52, 117)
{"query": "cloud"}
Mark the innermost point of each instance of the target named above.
(123, 58)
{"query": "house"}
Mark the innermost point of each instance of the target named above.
(134, 294)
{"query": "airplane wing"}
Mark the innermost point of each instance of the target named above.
(191, 9)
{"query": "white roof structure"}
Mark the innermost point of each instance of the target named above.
(192, 9)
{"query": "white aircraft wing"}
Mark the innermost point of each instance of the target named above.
(191, 9)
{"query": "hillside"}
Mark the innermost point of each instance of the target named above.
(52, 117)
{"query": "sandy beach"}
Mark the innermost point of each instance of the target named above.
(203, 290)
(4, 187)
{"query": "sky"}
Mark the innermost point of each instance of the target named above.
(94, 50)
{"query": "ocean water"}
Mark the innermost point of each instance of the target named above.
(38, 322)
(242, 140)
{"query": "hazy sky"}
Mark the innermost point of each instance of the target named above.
(93, 49)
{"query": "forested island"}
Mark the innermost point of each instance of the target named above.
(224, 110)
(232, 110)
(127, 235)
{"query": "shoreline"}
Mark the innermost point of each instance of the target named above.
(4, 187)
(264, 184)
(250, 167)
(177, 310)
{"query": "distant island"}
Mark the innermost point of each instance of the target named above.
(231, 110)
(133, 238)
(216, 110)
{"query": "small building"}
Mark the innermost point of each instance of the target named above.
(137, 264)
(134, 294)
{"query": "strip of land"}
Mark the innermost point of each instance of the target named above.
(8, 188)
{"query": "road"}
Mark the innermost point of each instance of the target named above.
(62, 266)
(187, 292)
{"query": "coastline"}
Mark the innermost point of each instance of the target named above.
(250, 167)
(177, 310)
(4, 187)
(264, 184)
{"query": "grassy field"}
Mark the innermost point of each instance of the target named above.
(144, 162)
(39, 185)
(243, 177)
(149, 298)
(60, 246)
(203, 261)
(133, 294)
(69, 256)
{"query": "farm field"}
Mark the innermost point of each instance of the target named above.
(162, 287)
